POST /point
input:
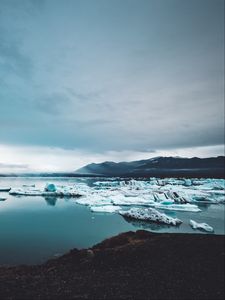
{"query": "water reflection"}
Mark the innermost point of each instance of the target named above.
(51, 200)
(204, 206)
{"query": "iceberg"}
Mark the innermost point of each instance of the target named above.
(187, 182)
(50, 187)
(201, 226)
(150, 215)
(176, 197)
(105, 208)
(167, 194)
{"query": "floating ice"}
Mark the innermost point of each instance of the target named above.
(106, 183)
(94, 200)
(178, 198)
(123, 200)
(150, 215)
(168, 193)
(221, 199)
(187, 182)
(167, 202)
(50, 190)
(50, 187)
(160, 197)
(5, 189)
(178, 207)
(26, 192)
(201, 226)
(105, 208)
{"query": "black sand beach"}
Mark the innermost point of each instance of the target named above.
(139, 265)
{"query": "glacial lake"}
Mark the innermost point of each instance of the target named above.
(34, 229)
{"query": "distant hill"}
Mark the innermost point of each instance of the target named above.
(159, 166)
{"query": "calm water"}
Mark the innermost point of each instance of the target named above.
(34, 229)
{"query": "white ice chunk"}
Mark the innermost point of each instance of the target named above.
(151, 215)
(122, 200)
(26, 192)
(202, 226)
(59, 192)
(178, 207)
(5, 189)
(105, 208)
(187, 182)
(94, 200)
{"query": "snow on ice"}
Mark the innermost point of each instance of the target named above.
(150, 215)
(201, 226)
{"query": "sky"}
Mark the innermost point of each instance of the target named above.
(86, 81)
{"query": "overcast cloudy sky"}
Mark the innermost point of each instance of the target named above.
(93, 80)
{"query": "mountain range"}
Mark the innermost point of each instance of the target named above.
(159, 166)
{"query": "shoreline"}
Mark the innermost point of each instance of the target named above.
(131, 265)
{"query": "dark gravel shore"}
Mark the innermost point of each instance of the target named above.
(139, 265)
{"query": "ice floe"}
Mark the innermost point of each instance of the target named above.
(150, 215)
(49, 190)
(5, 189)
(94, 200)
(106, 208)
(168, 194)
(201, 226)
(178, 207)
(129, 201)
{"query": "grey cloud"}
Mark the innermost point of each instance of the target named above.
(13, 61)
(100, 78)
(87, 96)
(53, 104)
(13, 166)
